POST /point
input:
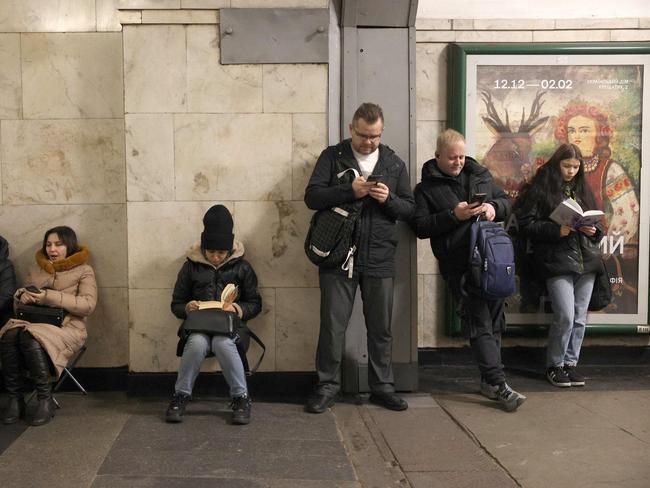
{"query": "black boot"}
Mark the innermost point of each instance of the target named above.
(38, 364)
(12, 372)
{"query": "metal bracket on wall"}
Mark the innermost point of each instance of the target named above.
(274, 35)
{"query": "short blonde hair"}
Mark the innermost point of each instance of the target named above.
(447, 138)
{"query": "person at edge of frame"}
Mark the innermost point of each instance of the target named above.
(386, 199)
(444, 214)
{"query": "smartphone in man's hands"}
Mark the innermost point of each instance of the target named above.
(477, 199)
(374, 179)
(32, 289)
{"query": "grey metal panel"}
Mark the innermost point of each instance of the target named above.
(378, 67)
(334, 76)
(379, 13)
(274, 35)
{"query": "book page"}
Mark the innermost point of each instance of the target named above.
(230, 293)
(210, 304)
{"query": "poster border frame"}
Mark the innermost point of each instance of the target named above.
(456, 109)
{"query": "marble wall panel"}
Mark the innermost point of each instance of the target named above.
(102, 228)
(213, 87)
(431, 81)
(155, 4)
(233, 157)
(297, 327)
(154, 68)
(108, 330)
(432, 329)
(205, 3)
(63, 161)
(10, 77)
(160, 233)
(107, 15)
(274, 235)
(149, 157)
(309, 139)
(279, 3)
(47, 15)
(152, 331)
(297, 88)
(72, 75)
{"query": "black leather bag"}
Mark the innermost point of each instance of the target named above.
(601, 295)
(40, 314)
(212, 321)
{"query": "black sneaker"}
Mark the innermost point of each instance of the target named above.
(557, 377)
(319, 402)
(176, 407)
(509, 399)
(241, 410)
(575, 378)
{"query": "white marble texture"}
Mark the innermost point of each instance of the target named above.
(73, 75)
(264, 327)
(205, 3)
(431, 81)
(279, 3)
(108, 330)
(148, 4)
(63, 161)
(107, 16)
(154, 68)
(296, 88)
(10, 77)
(274, 235)
(160, 233)
(309, 140)
(149, 157)
(47, 15)
(102, 228)
(297, 328)
(152, 334)
(217, 88)
(233, 157)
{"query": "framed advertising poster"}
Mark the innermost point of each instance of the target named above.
(517, 103)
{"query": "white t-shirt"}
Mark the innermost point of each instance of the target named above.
(367, 162)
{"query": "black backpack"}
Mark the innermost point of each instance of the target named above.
(491, 272)
(334, 232)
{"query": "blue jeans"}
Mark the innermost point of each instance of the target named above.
(570, 295)
(224, 348)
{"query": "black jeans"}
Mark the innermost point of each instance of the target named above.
(337, 300)
(482, 322)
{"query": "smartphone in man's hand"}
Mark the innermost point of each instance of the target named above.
(477, 199)
(374, 179)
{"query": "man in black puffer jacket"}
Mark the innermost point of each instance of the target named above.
(211, 265)
(7, 282)
(444, 215)
(382, 183)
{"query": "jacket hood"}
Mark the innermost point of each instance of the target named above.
(194, 254)
(77, 259)
(431, 171)
(4, 248)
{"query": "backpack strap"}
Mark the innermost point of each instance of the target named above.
(242, 353)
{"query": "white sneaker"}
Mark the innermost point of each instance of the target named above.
(509, 399)
(489, 391)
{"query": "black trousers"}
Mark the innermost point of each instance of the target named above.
(337, 300)
(482, 322)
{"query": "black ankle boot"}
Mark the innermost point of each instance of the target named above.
(38, 364)
(12, 373)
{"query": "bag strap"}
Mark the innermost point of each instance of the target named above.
(252, 334)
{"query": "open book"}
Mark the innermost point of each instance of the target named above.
(570, 213)
(229, 294)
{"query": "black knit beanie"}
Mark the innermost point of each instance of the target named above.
(217, 234)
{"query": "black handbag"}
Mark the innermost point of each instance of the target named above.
(40, 314)
(212, 321)
(601, 295)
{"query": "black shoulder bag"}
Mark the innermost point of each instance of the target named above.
(40, 314)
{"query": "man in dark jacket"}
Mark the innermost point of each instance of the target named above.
(7, 282)
(381, 182)
(445, 208)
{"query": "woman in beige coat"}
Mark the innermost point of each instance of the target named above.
(64, 279)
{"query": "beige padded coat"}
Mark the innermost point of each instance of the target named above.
(69, 284)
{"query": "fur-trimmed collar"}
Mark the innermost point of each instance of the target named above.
(77, 259)
(195, 254)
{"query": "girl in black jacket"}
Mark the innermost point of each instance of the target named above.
(567, 259)
(217, 262)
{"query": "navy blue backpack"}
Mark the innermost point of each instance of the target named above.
(491, 273)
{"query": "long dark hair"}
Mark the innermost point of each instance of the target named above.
(67, 236)
(545, 190)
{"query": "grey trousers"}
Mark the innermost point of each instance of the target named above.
(337, 300)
